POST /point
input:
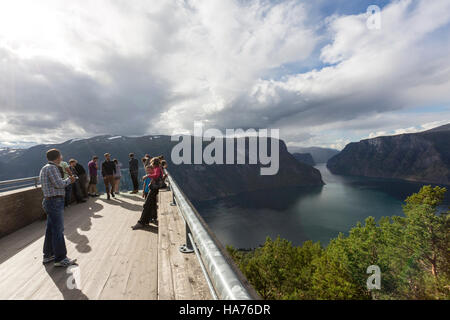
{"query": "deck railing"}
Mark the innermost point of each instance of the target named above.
(19, 183)
(224, 278)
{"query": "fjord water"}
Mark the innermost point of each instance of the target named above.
(300, 214)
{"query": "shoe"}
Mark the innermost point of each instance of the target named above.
(48, 259)
(113, 195)
(138, 226)
(81, 201)
(66, 262)
(96, 195)
(108, 197)
(155, 221)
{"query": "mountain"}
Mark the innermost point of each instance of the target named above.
(7, 154)
(199, 182)
(320, 155)
(304, 158)
(423, 156)
(445, 127)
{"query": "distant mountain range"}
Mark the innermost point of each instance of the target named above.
(423, 156)
(320, 155)
(199, 182)
(304, 158)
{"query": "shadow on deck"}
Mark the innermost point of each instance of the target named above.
(115, 262)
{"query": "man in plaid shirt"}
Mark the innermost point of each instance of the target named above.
(53, 187)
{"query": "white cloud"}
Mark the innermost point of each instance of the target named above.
(76, 69)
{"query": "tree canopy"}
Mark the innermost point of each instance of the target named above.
(411, 251)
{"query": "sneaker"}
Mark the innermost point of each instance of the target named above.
(48, 259)
(66, 262)
(138, 226)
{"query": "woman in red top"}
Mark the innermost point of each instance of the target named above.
(150, 214)
(156, 169)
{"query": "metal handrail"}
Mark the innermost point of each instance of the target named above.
(227, 282)
(23, 180)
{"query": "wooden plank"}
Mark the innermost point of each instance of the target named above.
(166, 289)
(181, 271)
(115, 262)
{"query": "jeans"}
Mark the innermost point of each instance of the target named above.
(68, 196)
(54, 243)
(134, 178)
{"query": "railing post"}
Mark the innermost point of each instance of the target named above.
(187, 247)
(173, 203)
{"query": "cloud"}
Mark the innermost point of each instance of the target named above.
(131, 68)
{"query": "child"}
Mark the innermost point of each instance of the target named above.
(147, 180)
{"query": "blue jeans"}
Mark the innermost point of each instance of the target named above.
(54, 243)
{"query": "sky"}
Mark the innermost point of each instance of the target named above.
(313, 69)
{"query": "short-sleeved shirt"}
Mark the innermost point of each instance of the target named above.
(92, 168)
(51, 181)
(108, 168)
(147, 181)
(65, 166)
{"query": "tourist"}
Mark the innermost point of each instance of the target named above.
(133, 165)
(148, 159)
(145, 161)
(53, 188)
(108, 171)
(149, 213)
(117, 176)
(82, 178)
(147, 180)
(67, 172)
(76, 185)
(93, 168)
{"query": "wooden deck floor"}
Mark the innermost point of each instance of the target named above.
(114, 261)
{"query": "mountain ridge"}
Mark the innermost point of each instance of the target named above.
(199, 182)
(421, 156)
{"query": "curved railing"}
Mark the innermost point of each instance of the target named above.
(19, 183)
(225, 279)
